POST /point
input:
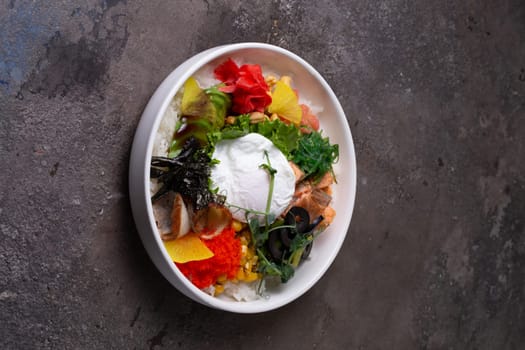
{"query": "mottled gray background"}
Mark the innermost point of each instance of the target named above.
(434, 93)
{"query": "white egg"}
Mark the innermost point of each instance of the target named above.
(245, 184)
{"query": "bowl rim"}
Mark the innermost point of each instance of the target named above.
(168, 89)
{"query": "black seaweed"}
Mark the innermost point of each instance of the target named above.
(187, 173)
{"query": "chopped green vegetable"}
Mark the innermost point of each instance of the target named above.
(315, 155)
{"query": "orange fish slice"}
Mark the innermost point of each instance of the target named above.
(187, 248)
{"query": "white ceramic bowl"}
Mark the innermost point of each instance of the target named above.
(312, 87)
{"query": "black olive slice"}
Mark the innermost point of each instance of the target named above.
(275, 246)
(306, 252)
(302, 218)
(287, 236)
(316, 222)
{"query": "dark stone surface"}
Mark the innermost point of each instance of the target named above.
(435, 97)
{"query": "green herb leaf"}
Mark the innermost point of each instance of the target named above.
(266, 266)
(300, 241)
(285, 137)
(287, 272)
(259, 236)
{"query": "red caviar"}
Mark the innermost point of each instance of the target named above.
(225, 261)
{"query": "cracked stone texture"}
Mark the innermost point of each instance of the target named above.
(435, 97)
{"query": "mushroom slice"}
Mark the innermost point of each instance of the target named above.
(210, 221)
(162, 210)
(180, 218)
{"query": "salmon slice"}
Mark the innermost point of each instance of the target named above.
(320, 197)
(299, 174)
(315, 198)
(302, 188)
(326, 180)
(314, 201)
(328, 215)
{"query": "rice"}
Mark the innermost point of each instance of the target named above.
(167, 125)
(205, 77)
(242, 291)
(238, 291)
(163, 137)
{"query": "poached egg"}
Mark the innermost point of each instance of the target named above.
(246, 185)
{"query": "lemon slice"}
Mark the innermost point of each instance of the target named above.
(187, 248)
(285, 103)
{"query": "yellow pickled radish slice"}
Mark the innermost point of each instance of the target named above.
(187, 248)
(285, 103)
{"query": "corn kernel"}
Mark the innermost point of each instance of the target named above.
(286, 79)
(270, 80)
(251, 276)
(236, 225)
(219, 288)
(222, 278)
(257, 117)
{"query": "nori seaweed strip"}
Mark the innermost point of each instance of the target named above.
(186, 174)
